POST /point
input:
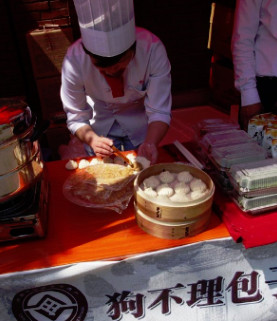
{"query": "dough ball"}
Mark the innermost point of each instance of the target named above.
(198, 185)
(181, 187)
(131, 157)
(184, 176)
(166, 177)
(180, 198)
(151, 181)
(71, 164)
(143, 161)
(95, 161)
(83, 163)
(150, 192)
(165, 190)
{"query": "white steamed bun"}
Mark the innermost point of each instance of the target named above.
(166, 177)
(197, 185)
(151, 181)
(184, 176)
(165, 190)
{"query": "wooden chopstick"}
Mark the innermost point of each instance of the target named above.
(193, 160)
(120, 154)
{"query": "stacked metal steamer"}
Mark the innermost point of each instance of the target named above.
(21, 171)
(242, 164)
(172, 220)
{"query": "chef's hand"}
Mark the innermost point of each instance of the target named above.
(100, 145)
(148, 151)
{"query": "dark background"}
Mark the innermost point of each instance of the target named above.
(34, 36)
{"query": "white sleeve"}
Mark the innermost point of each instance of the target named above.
(246, 23)
(73, 96)
(158, 99)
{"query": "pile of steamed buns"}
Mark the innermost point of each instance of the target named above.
(174, 187)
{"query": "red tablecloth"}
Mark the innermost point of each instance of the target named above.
(78, 234)
(251, 230)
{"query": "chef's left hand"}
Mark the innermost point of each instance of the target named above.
(148, 151)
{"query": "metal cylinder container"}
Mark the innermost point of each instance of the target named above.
(20, 157)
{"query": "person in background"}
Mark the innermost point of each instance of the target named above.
(254, 51)
(116, 81)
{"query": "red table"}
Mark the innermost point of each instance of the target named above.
(77, 234)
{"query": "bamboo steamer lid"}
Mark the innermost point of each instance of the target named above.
(173, 212)
(171, 230)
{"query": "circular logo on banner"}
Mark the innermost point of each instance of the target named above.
(55, 302)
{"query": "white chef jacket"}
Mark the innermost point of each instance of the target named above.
(254, 45)
(87, 97)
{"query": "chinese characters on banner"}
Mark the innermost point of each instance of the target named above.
(215, 280)
(243, 289)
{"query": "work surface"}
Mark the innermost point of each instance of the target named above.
(78, 234)
(99, 265)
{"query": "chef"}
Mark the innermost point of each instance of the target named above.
(116, 81)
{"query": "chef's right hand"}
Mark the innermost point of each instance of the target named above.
(100, 145)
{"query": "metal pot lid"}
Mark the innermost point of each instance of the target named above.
(9, 114)
(15, 121)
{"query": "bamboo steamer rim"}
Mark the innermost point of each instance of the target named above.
(169, 223)
(174, 168)
(167, 230)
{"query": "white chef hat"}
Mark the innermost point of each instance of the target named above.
(107, 26)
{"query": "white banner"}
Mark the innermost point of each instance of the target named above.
(207, 281)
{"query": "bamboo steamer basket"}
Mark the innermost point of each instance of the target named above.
(173, 212)
(171, 230)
